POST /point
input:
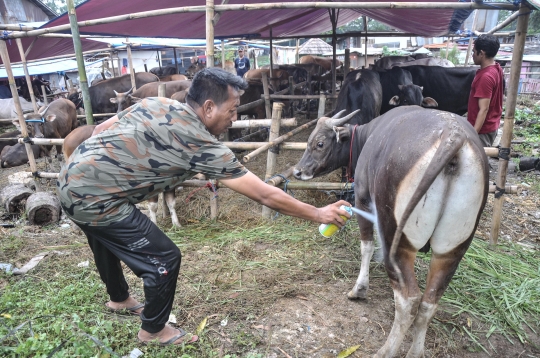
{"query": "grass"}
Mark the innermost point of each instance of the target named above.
(235, 273)
(527, 130)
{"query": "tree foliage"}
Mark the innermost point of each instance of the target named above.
(532, 28)
(60, 6)
(453, 55)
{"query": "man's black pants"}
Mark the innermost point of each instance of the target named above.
(149, 253)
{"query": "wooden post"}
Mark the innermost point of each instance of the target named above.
(214, 203)
(162, 90)
(297, 57)
(333, 20)
(16, 100)
(112, 64)
(223, 54)
(131, 69)
(365, 43)
(272, 58)
(27, 75)
(271, 160)
(266, 95)
(468, 55)
(158, 59)
(83, 81)
(347, 64)
(176, 60)
(209, 33)
(322, 106)
(45, 98)
(508, 129)
(291, 92)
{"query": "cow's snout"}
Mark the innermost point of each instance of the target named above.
(297, 173)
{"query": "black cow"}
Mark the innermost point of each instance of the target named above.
(101, 93)
(361, 90)
(399, 90)
(422, 176)
(449, 86)
(164, 71)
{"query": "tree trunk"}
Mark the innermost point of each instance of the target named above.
(42, 208)
(13, 197)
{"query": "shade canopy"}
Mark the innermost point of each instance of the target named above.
(233, 24)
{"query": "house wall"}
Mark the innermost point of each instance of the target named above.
(20, 11)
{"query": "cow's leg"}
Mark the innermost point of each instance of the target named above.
(441, 270)
(59, 155)
(152, 208)
(367, 247)
(169, 198)
(407, 300)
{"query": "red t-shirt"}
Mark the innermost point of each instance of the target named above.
(488, 83)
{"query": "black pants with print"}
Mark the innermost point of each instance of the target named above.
(149, 253)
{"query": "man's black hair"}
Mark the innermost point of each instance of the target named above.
(212, 83)
(487, 43)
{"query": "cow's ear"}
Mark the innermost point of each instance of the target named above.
(50, 118)
(113, 100)
(394, 101)
(400, 87)
(16, 123)
(429, 102)
(135, 99)
(342, 134)
(421, 88)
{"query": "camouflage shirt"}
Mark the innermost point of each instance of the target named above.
(154, 146)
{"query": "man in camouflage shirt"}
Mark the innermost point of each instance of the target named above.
(150, 147)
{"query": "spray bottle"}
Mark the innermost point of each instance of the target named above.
(328, 230)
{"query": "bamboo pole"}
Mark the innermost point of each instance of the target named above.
(83, 81)
(131, 69)
(112, 64)
(209, 33)
(505, 23)
(272, 6)
(271, 159)
(44, 95)
(347, 63)
(297, 56)
(333, 20)
(272, 57)
(162, 90)
(27, 75)
(364, 18)
(508, 129)
(322, 106)
(266, 94)
(223, 54)
(469, 48)
(4, 54)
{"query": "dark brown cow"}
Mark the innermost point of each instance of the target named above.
(127, 99)
(56, 120)
(15, 155)
(197, 65)
(421, 175)
(324, 62)
(12, 134)
(173, 78)
(79, 135)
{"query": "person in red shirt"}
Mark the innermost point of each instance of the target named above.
(485, 99)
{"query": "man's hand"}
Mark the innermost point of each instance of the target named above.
(331, 214)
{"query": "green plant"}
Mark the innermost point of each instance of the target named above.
(453, 55)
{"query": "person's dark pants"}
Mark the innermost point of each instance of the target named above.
(488, 138)
(149, 253)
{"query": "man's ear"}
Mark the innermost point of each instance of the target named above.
(208, 106)
(342, 134)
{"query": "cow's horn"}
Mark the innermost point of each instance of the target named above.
(338, 114)
(131, 90)
(115, 93)
(338, 122)
(44, 111)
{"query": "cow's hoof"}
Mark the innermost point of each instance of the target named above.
(357, 295)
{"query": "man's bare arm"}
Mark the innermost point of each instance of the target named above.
(254, 188)
(483, 104)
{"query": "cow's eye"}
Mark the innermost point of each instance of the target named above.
(320, 144)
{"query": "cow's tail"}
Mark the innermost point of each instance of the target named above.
(452, 141)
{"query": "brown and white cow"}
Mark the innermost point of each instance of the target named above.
(423, 175)
(279, 79)
(79, 135)
(324, 62)
(173, 78)
(127, 99)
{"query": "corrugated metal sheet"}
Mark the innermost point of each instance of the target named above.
(21, 11)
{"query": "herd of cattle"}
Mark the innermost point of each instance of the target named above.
(392, 81)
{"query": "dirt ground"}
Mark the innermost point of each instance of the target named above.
(309, 316)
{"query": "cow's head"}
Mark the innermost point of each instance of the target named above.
(76, 98)
(124, 100)
(36, 123)
(324, 147)
(411, 95)
(194, 68)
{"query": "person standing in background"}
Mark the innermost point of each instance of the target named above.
(241, 63)
(486, 97)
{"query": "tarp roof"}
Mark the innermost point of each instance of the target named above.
(253, 23)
